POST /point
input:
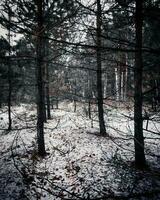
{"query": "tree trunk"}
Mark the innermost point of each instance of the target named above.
(1, 98)
(99, 72)
(138, 120)
(9, 76)
(116, 85)
(47, 95)
(47, 83)
(43, 73)
(89, 93)
(57, 102)
(125, 80)
(40, 81)
(120, 83)
(75, 105)
(89, 109)
(75, 96)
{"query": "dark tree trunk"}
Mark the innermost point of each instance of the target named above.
(138, 120)
(120, 83)
(89, 93)
(9, 76)
(99, 72)
(1, 88)
(40, 81)
(57, 103)
(75, 105)
(47, 76)
(89, 109)
(43, 74)
(47, 95)
(9, 96)
(47, 83)
(75, 96)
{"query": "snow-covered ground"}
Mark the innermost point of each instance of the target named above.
(79, 164)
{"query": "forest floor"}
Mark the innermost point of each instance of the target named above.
(80, 164)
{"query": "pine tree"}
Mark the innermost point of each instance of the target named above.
(99, 70)
(138, 119)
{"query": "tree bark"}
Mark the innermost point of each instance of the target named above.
(89, 93)
(99, 72)
(75, 96)
(9, 75)
(40, 81)
(138, 120)
(47, 83)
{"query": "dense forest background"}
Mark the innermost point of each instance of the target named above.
(80, 83)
